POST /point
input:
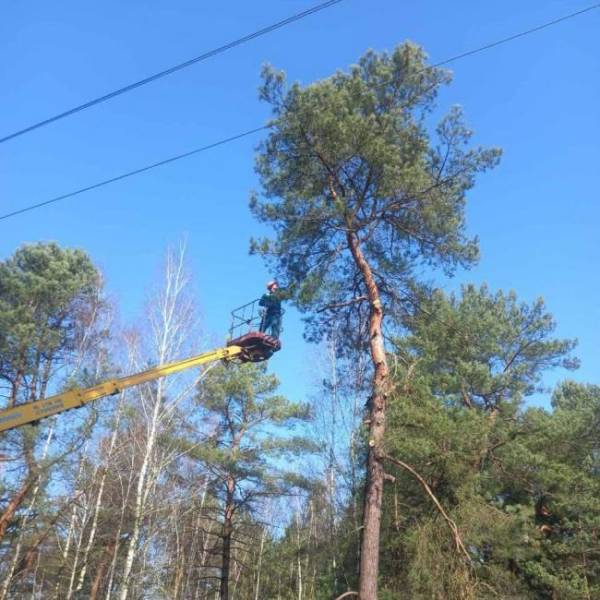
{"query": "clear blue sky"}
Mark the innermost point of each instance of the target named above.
(537, 214)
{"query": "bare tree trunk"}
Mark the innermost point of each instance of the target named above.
(227, 532)
(310, 538)
(196, 535)
(71, 528)
(92, 533)
(14, 505)
(238, 575)
(77, 551)
(35, 572)
(17, 551)
(180, 557)
(259, 565)
(170, 321)
(100, 570)
(298, 553)
(369, 556)
(117, 537)
(141, 496)
(331, 480)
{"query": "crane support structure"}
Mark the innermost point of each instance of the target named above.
(34, 411)
(252, 347)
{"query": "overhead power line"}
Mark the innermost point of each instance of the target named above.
(516, 36)
(264, 127)
(160, 163)
(174, 69)
(500, 42)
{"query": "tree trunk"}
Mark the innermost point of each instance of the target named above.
(35, 481)
(227, 531)
(13, 505)
(259, 565)
(369, 555)
(298, 553)
(99, 496)
(142, 492)
(100, 570)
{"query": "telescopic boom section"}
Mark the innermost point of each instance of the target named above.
(254, 346)
(34, 411)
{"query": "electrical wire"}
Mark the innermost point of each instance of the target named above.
(132, 173)
(264, 127)
(173, 69)
(499, 42)
(516, 36)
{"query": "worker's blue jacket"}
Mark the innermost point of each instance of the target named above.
(272, 302)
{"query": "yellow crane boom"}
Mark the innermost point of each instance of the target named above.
(253, 346)
(34, 411)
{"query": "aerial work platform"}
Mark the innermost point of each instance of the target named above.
(245, 332)
(256, 346)
(248, 345)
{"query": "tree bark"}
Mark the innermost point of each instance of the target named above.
(369, 555)
(227, 531)
(100, 570)
(259, 564)
(13, 505)
(35, 482)
(99, 497)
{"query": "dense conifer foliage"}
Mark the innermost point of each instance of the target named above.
(360, 194)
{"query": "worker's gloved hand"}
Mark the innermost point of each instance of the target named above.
(287, 292)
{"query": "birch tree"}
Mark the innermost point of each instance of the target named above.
(171, 321)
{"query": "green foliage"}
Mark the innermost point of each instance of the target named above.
(565, 486)
(483, 348)
(47, 298)
(351, 156)
(50, 304)
(521, 484)
(252, 431)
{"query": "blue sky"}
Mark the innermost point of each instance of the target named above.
(537, 214)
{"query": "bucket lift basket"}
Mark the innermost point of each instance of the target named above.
(245, 332)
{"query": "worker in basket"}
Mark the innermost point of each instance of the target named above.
(271, 302)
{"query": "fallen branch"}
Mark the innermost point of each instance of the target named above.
(346, 594)
(451, 524)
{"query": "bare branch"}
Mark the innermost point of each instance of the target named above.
(451, 524)
(342, 304)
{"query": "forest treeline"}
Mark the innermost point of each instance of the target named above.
(145, 493)
(416, 469)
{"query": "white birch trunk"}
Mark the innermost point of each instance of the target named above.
(125, 502)
(259, 565)
(298, 557)
(170, 321)
(105, 466)
(75, 565)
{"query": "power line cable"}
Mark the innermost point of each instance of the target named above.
(499, 42)
(174, 69)
(264, 127)
(132, 173)
(517, 35)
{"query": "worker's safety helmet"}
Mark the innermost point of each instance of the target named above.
(271, 284)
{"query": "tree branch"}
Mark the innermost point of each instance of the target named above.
(342, 304)
(451, 524)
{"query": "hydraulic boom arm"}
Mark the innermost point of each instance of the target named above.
(34, 411)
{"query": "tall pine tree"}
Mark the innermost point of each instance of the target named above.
(361, 193)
